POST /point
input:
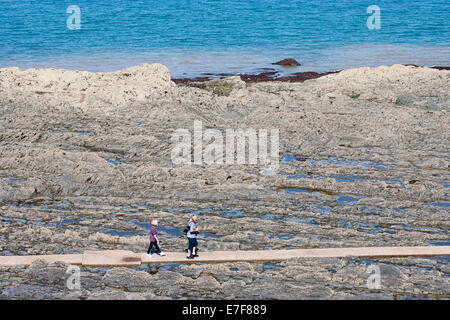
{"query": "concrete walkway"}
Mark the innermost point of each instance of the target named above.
(110, 258)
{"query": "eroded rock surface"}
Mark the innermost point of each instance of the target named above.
(85, 164)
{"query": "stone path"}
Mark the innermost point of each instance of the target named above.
(110, 258)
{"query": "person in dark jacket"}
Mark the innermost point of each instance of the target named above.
(154, 240)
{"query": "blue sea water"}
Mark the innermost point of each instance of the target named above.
(193, 37)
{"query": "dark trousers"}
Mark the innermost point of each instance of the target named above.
(155, 244)
(192, 243)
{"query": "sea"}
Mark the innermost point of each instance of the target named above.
(197, 37)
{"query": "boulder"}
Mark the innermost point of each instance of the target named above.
(129, 279)
(288, 62)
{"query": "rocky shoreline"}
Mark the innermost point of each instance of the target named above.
(269, 74)
(85, 163)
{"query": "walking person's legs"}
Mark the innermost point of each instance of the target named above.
(190, 248)
(158, 251)
(149, 251)
(194, 248)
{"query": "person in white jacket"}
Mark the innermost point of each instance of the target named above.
(192, 238)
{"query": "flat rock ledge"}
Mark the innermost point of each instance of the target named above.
(125, 258)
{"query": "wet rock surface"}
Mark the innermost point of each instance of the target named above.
(264, 75)
(288, 62)
(318, 278)
(85, 164)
